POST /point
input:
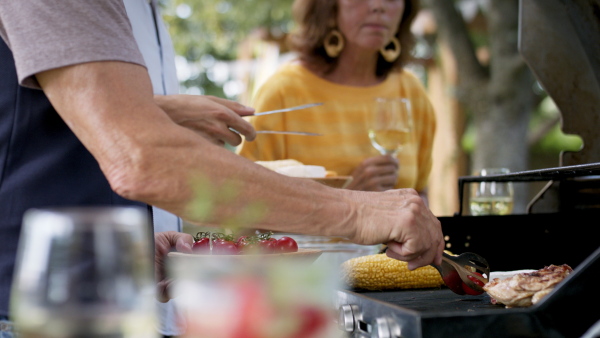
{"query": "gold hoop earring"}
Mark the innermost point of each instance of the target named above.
(390, 55)
(334, 43)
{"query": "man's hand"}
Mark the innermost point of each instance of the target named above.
(209, 116)
(165, 242)
(377, 173)
(400, 219)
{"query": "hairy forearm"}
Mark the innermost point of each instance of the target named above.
(147, 157)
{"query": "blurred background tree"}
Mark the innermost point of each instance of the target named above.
(491, 111)
(505, 125)
(210, 37)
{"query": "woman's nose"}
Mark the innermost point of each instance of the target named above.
(376, 5)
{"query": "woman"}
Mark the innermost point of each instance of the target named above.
(350, 51)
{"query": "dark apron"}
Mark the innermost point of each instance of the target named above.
(42, 164)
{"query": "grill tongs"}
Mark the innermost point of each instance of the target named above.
(456, 270)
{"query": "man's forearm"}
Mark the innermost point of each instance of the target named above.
(147, 157)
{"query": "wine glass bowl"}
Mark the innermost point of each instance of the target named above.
(84, 272)
(491, 198)
(390, 124)
(261, 296)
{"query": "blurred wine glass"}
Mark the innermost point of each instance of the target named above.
(259, 296)
(84, 272)
(390, 124)
(491, 198)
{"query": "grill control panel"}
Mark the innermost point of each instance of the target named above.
(385, 328)
(351, 321)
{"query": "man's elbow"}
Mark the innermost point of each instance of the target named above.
(133, 183)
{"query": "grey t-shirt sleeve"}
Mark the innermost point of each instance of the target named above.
(45, 35)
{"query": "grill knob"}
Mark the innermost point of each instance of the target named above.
(346, 319)
(385, 328)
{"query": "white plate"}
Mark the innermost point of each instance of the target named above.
(335, 181)
(307, 255)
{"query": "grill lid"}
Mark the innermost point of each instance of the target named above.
(560, 41)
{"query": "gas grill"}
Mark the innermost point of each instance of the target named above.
(568, 311)
(558, 228)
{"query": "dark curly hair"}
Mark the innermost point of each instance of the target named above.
(314, 20)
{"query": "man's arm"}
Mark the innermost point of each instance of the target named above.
(147, 157)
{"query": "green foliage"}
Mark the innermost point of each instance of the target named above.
(555, 141)
(205, 31)
(217, 27)
(468, 139)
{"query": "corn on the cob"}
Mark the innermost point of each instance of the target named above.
(379, 272)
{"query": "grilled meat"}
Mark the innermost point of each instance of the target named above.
(526, 289)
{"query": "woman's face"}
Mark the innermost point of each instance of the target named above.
(369, 24)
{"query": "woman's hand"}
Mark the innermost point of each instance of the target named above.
(165, 242)
(209, 116)
(377, 173)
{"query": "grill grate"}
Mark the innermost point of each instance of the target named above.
(441, 313)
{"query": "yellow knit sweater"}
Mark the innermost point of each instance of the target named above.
(342, 120)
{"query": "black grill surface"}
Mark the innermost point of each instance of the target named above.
(435, 301)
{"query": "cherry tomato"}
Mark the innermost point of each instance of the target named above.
(286, 244)
(248, 249)
(454, 283)
(241, 242)
(246, 245)
(224, 247)
(267, 246)
(201, 246)
(470, 291)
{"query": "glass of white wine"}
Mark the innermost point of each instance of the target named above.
(390, 124)
(491, 198)
(84, 272)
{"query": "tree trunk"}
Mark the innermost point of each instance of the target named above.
(499, 95)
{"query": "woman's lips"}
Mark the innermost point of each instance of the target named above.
(377, 27)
